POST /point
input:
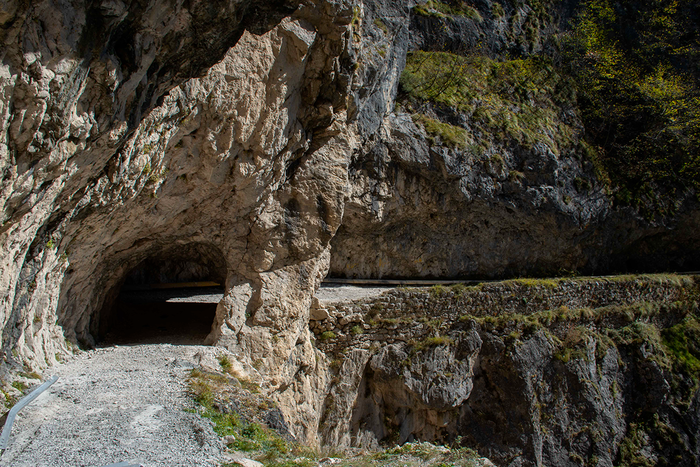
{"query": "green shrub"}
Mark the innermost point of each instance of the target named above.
(516, 99)
(683, 342)
(327, 335)
(225, 363)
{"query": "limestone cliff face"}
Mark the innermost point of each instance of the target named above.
(131, 130)
(565, 373)
(210, 133)
(261, 141)
(507, 201)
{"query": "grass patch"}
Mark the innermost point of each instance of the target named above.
(458, 289)
(30, 375)
(327, 335)
(438, 290)
(380, 24)
(429, 342)
(20, 386)
(225, 363)
(683, 343)
(443, 133)
(437, 9)
(519, 100)
(546, 283)
(263, 444)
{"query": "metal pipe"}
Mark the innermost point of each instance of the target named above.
(5, 436)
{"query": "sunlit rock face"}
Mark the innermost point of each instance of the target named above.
(133, 131)
(260, 141)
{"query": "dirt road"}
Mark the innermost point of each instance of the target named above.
(117, 404)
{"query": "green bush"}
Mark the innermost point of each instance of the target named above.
(516, 99)
(637, 69)
(225, 363)
(327, 335)
(683, 342)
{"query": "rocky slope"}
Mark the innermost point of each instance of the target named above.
(484, 170)
(569, 372)
(261, 146)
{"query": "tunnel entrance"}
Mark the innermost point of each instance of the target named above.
(170, 297)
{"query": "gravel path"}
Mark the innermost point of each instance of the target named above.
(184, 295)
(329, 293)
(117, 404)
(334, 293)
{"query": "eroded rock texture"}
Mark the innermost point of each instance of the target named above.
(507, 203)
(568, 373)
(211, 136)
(231, 141)
(132, 130)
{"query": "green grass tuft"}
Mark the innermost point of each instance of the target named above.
(225, 363)
(439, 132)
(519, 100)
(327, 335)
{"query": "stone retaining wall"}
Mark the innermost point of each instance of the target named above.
(402, 313)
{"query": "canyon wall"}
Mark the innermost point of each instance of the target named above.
(529, 373)
(267, 135)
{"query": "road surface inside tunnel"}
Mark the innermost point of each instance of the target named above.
(182, 316)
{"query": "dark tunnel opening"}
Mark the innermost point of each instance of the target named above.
(170, 297)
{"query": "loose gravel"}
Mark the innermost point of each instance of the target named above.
(327, 293)
(336, 293)
(129, 403)
(117, 404)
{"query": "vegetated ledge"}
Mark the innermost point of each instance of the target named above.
(595, 371)
(254, 430)
(410, 306)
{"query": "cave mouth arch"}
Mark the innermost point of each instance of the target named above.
(170, 297)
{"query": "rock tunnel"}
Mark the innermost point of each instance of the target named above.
(169, 297)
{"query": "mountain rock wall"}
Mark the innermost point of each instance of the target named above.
(499, 183)
(568, 372)
(264, 139)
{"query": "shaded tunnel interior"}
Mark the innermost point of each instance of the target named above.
(170, 297)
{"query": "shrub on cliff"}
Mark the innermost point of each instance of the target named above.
(636, 64)
(521, 99)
